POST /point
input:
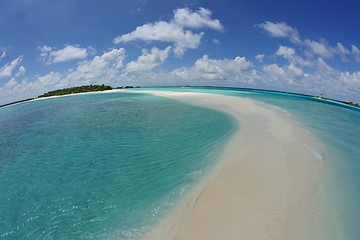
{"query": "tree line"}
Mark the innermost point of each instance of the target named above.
(81, 89)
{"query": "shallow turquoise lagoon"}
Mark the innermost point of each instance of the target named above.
(101, 166)
(109, 165)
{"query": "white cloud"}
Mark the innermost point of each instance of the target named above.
(51, 79)
(164, 32)
(260, 57)
(351, 81)
(148, 61)
(175, 30)
(356, 53)
(216, 41)
(282, 76)
(290, 54)
(212, 69)
(318, 48)
(286, 52)
(355, 50)
(312, 47)
(323, 67)
(7, 70)
(318, 77)
(296, 71)
(68, 53)
(280, 30)
(324, 50)
(21, 71)
(341, 49)
(3, 55)
(102, 68)
(201, 18)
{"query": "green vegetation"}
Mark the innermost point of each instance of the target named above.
(352, 103)
(128, 87)
(81, 89)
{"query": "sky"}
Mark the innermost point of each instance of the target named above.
(309, 47)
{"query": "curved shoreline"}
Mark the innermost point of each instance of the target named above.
(267, 184)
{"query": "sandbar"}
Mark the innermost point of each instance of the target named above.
(266, 184)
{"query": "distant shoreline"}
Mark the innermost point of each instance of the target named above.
(80, 89)
(69, 91)
(321, 99)
(20, 101)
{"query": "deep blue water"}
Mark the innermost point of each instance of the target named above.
(100, 166)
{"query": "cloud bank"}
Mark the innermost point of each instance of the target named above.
(302, 65)
(68, 53)
(176, 31)
(148, 61)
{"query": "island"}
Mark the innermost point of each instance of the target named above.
(123, 87)
(353, 104)
(81, 89)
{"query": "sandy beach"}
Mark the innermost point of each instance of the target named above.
(265, 186)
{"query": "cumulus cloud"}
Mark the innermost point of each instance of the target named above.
(355, 50)
(290, 54)
(324, 50)
(286, 52)
(322, 66)
(101, 68)
(213, 69)
(216, 41)
(312, 47)
(355, 53)
(351, 81)
(148, 61)
(319, 48)
(69, 53)
(164, 32)
(280, 30)
(341, 49)
(282, 76)
(260, 57)
(310, 76)
(202, 18)
(175, 31)
(7, 70)
(21, 71)
(294, 70)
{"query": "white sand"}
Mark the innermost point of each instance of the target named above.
(265, 186)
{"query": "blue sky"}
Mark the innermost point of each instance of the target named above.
(310, 47)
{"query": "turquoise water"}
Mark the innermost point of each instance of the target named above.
(107, 166)
(338, 127)
(101, 166)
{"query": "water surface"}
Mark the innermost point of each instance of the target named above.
(101, 166)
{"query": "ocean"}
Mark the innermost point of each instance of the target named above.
(100, 166)
(110, 165)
